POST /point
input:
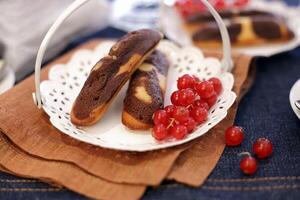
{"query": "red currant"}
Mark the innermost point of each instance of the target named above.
(159, 132)
(185, 81)
(201, 103)
(186, 97)
(199, 114)
(240, 3)
(220, 4)
(190, 124)
(178, 131)
(211, 100)
(181, 114)
(217, 85)
(170, 110)
(262, 147)
(234, 136)
(205, 89)
(161, 117)
(248, 165)
(175, 98)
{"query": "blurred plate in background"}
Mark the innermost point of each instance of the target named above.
(174, 31)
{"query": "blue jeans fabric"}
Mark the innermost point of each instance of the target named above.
(263, 112)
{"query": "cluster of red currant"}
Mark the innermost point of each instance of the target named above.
(262, 148)
(190, 105)
(190, 7)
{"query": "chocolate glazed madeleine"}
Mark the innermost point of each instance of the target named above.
(145, 93)
(109, 75)
(245, 31)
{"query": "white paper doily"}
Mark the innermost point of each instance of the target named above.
(66, 80)
(173, 28)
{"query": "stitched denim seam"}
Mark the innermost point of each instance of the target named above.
(265, 179)
(30, 189)
(18, 181)
(254, 188)
(239, 188)
(280, 178)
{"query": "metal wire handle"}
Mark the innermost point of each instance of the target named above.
(226, 61)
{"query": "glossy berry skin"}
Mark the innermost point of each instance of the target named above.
(211, 100)
(185, 81)
(175, 98)
(234, 136)
(161, 117)
(170, 110)
(201, 103)
(240, 3)
(263, 148)
(199, 114)
(190, 124)
(181, 114)
(220, 4)
(159, 132)
(186, 97)
(217, 85)
(248, 165)
(178, 131)
(205, 89)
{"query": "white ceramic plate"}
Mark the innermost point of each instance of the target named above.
(295, 95)
(66, 80)
(172, 28)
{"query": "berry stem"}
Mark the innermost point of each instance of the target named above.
(245, 153)
(171, 123)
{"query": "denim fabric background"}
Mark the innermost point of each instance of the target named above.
(263, 112)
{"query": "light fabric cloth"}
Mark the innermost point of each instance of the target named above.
(24, 23)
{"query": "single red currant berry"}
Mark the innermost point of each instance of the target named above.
(240, 3)
(205, 89)
(199, 114)
(161, 117)
(217, 85)
(170, 110)
(201, 103)
(190, 124)
(248, 165)
(262, 147)
(185, 81)
(220, 4)
(159, 132)
(178, 131)
(181, 114)
(211, 100)
(234, 136)
(175, 98)
(186, 97)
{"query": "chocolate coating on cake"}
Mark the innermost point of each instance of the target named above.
(210, 31)
(226, 14)
(149, 80)
(107, 77)
(266, 28)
